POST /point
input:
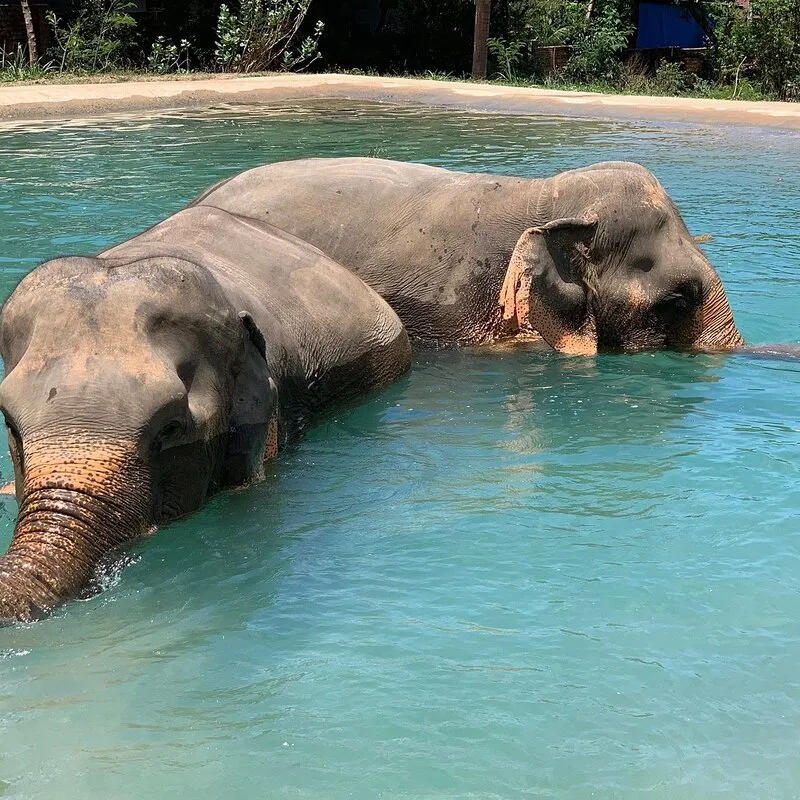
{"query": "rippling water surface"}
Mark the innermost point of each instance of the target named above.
(512, 574)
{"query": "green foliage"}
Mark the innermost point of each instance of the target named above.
(260, 36)
(770, 42)
(597, 41)
(307, 52)
(755, 53)
(165, 56)
(531, 25)
(598, 48)
(15, 66)
(507, 56)
(672, 78)
(98, 38)
(546, 22)
(758, 47)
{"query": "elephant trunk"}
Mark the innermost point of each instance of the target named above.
(72, 513)
(717, 329)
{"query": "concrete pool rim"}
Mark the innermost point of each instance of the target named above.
(68, 101)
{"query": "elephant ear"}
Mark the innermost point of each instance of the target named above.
(546, 288)
(253, 425)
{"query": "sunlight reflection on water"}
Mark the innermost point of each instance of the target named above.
(511, 574)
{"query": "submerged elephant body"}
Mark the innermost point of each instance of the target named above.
(141, 381)
(594, 258)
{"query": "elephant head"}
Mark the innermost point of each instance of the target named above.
(614, 268)
(131, 392)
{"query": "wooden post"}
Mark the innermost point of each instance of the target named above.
(480, 52)
(33, 55)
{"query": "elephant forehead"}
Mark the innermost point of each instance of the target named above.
(100, 365)
(84, 330)
(638, 222)
(654, 195)
(136, 296)
(87, 390)
(76, 344)
(89, 283)
(92, 312)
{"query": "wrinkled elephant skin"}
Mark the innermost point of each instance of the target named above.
(592, 259)
(141, 381)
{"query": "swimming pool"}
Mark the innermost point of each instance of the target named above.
(511, 574)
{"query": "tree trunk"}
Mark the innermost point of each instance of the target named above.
(481, 47)
(33, 55)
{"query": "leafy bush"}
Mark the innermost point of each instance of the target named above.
(633, 77)
(672, 78)
(597, 49)
(165, 56)
(597, 40)
(773, 46)
(761, 45)
(97, 39)
(546, 22)
(16, 66)
(260, 36)
(507, 57)
(531, 25)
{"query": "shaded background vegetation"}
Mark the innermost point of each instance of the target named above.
(752, 48)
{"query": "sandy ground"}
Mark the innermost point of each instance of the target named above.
(41, 101)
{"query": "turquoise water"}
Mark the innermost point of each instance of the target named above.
(512, 574)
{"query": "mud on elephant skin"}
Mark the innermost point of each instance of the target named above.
(592, 259)
(141, 381)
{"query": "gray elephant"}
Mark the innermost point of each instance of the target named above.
(592, 259)
(141, 381)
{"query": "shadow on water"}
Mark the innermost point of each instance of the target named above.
(552, 415)
(543, 413)
(556, 402)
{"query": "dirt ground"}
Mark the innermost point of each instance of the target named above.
(47, 100)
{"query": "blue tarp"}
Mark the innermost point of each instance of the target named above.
(662, 25)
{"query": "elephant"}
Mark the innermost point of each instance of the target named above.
(593, 259)
(140, 381)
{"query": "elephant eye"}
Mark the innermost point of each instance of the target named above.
(671, 307)
(645, 263)
(677, 300)
(171, 435)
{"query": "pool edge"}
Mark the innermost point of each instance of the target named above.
(54, 101)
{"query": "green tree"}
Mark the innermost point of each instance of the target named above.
(599, 44)
(761, 43)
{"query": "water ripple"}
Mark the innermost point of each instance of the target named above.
(510, 575)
